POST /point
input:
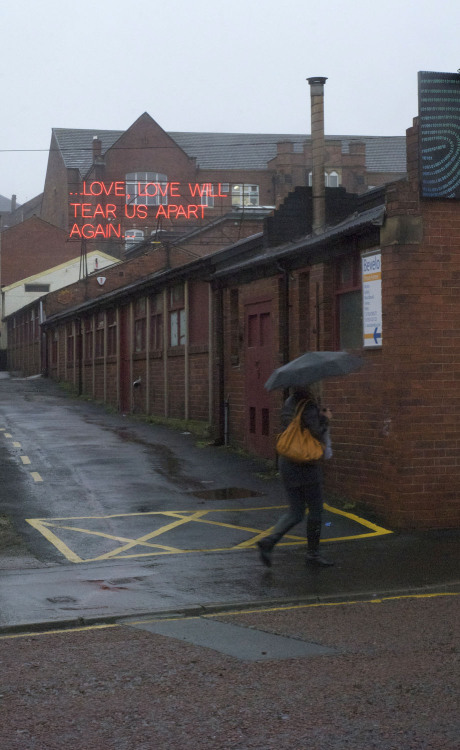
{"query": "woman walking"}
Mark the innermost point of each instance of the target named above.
(303, 482)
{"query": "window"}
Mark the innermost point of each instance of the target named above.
(100, 327)
(207, 195)
(111, 332)
(234, 327)
(88, 338)
(140, 324)
(132, 237)
(177, 333)
(245, 195)
(36, 287)
(331, 179)
(70, 342)
(156, 322)
(54, 347)
(348, 293)
(146, 189)
(34, 324)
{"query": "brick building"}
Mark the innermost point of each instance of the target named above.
(178, 333)
(199, 339)
(180, 181)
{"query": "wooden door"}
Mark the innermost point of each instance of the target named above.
(259, 365)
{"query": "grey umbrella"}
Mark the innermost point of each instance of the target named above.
(311, 367)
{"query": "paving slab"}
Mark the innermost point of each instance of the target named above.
(247, 644)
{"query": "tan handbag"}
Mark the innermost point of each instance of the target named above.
(296, 442)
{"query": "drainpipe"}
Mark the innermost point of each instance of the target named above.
(284, 314)
(317, 144)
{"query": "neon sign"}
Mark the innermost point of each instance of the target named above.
(103, 220)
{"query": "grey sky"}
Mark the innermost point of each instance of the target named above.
(227, 65)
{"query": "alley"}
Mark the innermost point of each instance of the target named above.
(120, 517)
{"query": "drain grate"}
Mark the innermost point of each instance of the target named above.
(227, 493)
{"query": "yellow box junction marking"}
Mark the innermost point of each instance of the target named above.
(50, 528)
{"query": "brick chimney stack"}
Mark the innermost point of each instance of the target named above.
(317, 144)
(97, 148)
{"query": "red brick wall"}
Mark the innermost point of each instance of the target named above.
(59, 182)
(32, 247)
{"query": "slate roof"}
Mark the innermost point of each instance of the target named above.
(5, 204)
(233, 150)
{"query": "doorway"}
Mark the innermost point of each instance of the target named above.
(259, 365)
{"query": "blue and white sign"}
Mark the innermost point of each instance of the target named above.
(372, 298)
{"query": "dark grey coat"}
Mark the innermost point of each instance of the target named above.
(294, 474)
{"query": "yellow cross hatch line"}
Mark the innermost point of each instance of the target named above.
(50, 528)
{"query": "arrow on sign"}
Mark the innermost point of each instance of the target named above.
(377, 335)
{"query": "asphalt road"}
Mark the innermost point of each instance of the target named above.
(134, 612)
(121, 518)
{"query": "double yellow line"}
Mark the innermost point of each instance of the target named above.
(229, 613)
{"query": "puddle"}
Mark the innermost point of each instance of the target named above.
(227, 493)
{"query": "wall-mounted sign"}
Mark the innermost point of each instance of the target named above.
(371, 264)
(98, 211)
(439, 141)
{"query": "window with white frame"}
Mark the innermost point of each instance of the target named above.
(146, 189)
(245, 195)
(207, 195)
(331, 179)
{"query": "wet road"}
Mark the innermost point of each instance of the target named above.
(121, 517)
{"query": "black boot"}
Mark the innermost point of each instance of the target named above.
(313, 555)
(265, 550)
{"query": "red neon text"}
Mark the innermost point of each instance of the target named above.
(206, 189)
(100, 188)
(175, 212)
(90, 231)
(158, 188)
(87, 211)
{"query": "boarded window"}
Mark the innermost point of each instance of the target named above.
(348, 295)
(100, 328)
(156, 322)
(111, 332)
(140, 324)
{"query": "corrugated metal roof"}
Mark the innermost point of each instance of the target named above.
(233, 150)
